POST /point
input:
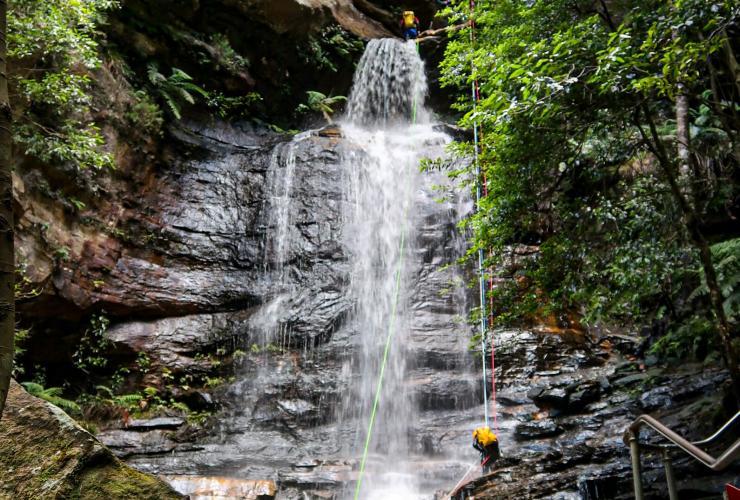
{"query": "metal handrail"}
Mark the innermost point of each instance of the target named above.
(714, 437)
(631, 437)
(717, 464)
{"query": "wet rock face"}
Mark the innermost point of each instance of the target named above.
(565, 404)
(45, 454)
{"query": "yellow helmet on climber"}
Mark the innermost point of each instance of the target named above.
(484, 435)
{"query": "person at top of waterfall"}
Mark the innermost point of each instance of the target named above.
(409, 25)
(486, 442)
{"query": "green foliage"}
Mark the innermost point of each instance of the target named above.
(53, 395)
(726, 256)
(52, 49)
(176, 89)
(145, 114)
(21, 338)
(691, 339)
(143, 362)
(24, 287)
(320, 103)
(91, 351)
(105, 395)
(229, 59)
(569, 93)
(332, 45)
(232, 107)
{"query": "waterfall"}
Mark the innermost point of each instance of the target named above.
(387, 121)
(389, 86)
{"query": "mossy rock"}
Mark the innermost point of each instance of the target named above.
(44, 454)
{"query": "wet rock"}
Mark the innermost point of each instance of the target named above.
(155, 423)
(659, 397)
(547, 398)
(629, 380)
(507, 398)
(214, 488)
(45, 454)
(583, 394)
(196, 400)
(537, 429)
(128, 442)
(174, 342)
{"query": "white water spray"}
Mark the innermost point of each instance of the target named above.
(388, 122)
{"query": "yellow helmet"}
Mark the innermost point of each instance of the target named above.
(484, 436)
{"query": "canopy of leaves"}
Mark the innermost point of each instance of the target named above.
(576, 106)
(52, 50)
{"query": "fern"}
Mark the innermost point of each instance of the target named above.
(320, 102)
(725, 255)
(174, 89)
(105, 390)
(127, 399)
(52, 394)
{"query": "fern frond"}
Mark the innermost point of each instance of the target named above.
(33, 388)
(185, 95)
(127, 399)
(64, 404)
(107, 391)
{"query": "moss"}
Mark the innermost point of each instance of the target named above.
(117, 481)
(45, 454)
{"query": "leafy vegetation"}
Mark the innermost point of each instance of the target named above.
(51, 394)
(320, 103)
(91, 351)
(174, 89)
(331, 45)
(52, 52)
(609, 142)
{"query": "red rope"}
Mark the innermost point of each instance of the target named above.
(476, 98)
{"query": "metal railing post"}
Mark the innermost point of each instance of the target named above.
(669, 477)
(636, 472)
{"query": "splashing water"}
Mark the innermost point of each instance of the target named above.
(387, 121)
(389, 85)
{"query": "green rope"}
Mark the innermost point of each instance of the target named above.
(413, 111)
(391, 331)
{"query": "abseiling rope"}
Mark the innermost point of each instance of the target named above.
(481, 274)
(391, 332)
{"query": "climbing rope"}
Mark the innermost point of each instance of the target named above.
(391, 330)
(481, 273)
(389, 338)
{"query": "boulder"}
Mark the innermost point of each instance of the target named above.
(46, 454)
(547, 398)
(538, 429)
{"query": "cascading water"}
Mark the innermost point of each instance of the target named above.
(352, 248)
(386, 118)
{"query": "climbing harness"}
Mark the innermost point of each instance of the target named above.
(389, 336)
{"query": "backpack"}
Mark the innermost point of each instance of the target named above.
(409, 20)
(484, 436)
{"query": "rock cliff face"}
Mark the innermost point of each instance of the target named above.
(187, 250)
(46, 454)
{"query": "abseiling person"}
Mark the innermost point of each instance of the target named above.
(486, 442)
(409, 25)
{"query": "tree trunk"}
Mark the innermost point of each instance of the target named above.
(693, 226)
(691, 215)
(7, 252)
(683, 137)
